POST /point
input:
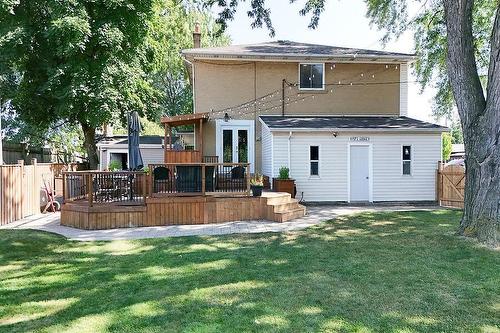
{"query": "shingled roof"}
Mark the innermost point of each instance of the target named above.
(348, 123)
(283, 49)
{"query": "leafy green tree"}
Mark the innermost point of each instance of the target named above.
(456, 133)
(80, 61)
(171, 32)
(458, 47)
(446, 146)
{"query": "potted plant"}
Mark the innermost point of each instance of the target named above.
(284, 183)
(257, 184)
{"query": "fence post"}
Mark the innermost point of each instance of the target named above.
(22, 207)
(36, 185)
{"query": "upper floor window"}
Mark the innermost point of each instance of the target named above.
(311, 76)
(406, 160)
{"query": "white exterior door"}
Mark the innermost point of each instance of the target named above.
(235, 142)
(359, 173)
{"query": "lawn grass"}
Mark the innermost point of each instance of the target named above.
(379, 272)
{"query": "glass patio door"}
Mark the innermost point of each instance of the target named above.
(235, 145)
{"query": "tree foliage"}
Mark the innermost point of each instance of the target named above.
(92, 62)
(446, 146)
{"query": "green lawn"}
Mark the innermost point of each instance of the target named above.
(397, 272)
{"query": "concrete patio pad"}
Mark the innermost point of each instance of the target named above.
(315, 215)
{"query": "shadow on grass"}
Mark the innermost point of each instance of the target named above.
(378, 271)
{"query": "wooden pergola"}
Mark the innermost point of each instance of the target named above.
(184, 156)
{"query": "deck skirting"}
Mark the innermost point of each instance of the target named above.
(277, 207)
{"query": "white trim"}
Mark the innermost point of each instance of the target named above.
(290, 153)
(411, 159)
(330, 129)
(318, 160)
(370, 169)
(403, 90)
(348, 59)
(109, 151)
(122, 146)
(323, 76)
(272, 157)
(249, 125)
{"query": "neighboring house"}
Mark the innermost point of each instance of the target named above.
(457, 151)
(115, 148)
(337, 117)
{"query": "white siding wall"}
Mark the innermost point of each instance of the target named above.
(149, 155)
(152, 155)
(280, 152)
(267, 143)
(388, 182)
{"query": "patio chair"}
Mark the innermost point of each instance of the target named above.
(161, 176)
(188, 179)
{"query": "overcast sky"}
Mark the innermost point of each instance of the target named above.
(343, 23)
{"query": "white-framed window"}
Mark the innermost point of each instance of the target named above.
(314, 160)
(406, 160)
(311, 76)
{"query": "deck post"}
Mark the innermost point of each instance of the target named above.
(247, 167)
(200, 147)
(90, 189)
(64, 186)
(144, 187)
(203, 179)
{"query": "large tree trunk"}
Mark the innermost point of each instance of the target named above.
(90, 145)
(480, 120)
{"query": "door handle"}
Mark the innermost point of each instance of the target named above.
(367, 177)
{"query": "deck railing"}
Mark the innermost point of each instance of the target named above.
(123, 187)
(178, 179)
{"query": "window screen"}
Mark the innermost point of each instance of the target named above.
(406, 158)
(314, 160)
(311, 76)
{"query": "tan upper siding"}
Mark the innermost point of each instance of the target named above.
(222, 84)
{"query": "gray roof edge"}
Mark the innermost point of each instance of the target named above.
(298, 57)
(409, 127)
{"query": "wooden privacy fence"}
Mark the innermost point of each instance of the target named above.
(451, 185)
(21, 186)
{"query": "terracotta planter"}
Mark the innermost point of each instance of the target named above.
(284, 185)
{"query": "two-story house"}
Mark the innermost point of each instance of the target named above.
(336, 117)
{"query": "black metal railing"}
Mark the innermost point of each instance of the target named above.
(126, 187)
(200, 178)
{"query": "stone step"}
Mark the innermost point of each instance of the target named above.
(290, 215)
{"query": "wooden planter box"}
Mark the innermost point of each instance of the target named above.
(284, 185)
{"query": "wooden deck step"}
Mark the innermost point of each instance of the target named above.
(290, 214)
(284, 207)
(281, 207)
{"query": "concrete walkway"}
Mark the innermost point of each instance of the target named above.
(315, 215)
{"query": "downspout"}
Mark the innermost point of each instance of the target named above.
(289, 152)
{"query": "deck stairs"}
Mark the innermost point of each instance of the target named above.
(281, 207)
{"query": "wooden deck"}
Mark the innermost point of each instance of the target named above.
(181, 210)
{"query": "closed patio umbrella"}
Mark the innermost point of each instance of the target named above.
(134, 153)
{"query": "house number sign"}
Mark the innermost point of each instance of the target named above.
(359, 138)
